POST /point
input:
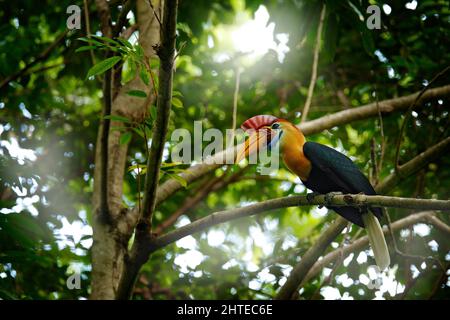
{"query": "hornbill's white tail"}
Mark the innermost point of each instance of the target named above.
(377, 240)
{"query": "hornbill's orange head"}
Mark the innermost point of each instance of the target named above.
(266, 131)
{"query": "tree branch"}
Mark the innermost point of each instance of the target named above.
(166, 51)
(415, 164)
(358, 200)
(312, 82)
(104, 14)
(88, 28)
(105, 21)
(122, 18)
(362, 243)
(439, 224)
(301, 269)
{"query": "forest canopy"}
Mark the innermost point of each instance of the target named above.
(91, 103)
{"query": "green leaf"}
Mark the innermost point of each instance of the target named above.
(154, 63)
(137, 93)
(106, 39)
(117, 118)
(180, 179)
(170, 164)
(102, 66)
(90, 41)
(116, 128)
(143, 74)
(125, 138)
(139, 51)
(176, 93)
(177, 103)
(330, 37)
(139, 131)
(153, 112)
(85, 48)
(142, 168)
(125, 42)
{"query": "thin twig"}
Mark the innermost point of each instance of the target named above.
(408, 114)
(235, 101)
(152, 76)
(88, 29)
(399, 252)
(313, 80)
(154, 12)
(383, 140)
(182, 45)
(373, 174)
(139, 186)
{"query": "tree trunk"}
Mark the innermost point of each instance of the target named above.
(110, 238)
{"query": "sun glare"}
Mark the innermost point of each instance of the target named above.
(255, 37)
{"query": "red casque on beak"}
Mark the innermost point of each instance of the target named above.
(260, 135)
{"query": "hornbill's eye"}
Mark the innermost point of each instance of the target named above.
(275, 125)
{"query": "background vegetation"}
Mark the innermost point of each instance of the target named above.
(50, 115)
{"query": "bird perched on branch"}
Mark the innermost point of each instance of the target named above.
(321, 169)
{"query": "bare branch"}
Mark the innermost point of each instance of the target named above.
(370, 110)
(88, 28)
(300, 270)
(312, 82)
(235, 100)
(357, 200)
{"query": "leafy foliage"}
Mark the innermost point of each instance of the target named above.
(51, 114)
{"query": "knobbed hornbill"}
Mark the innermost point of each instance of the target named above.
(321, 169)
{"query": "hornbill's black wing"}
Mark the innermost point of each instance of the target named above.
(340, 170)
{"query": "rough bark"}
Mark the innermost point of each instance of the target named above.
(166, 52)
(109, 249)
(359, 200)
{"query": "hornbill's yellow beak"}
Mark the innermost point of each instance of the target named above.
(257, 140)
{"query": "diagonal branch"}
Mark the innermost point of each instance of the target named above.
(41, 57)
(363, 242)
(415, 164)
